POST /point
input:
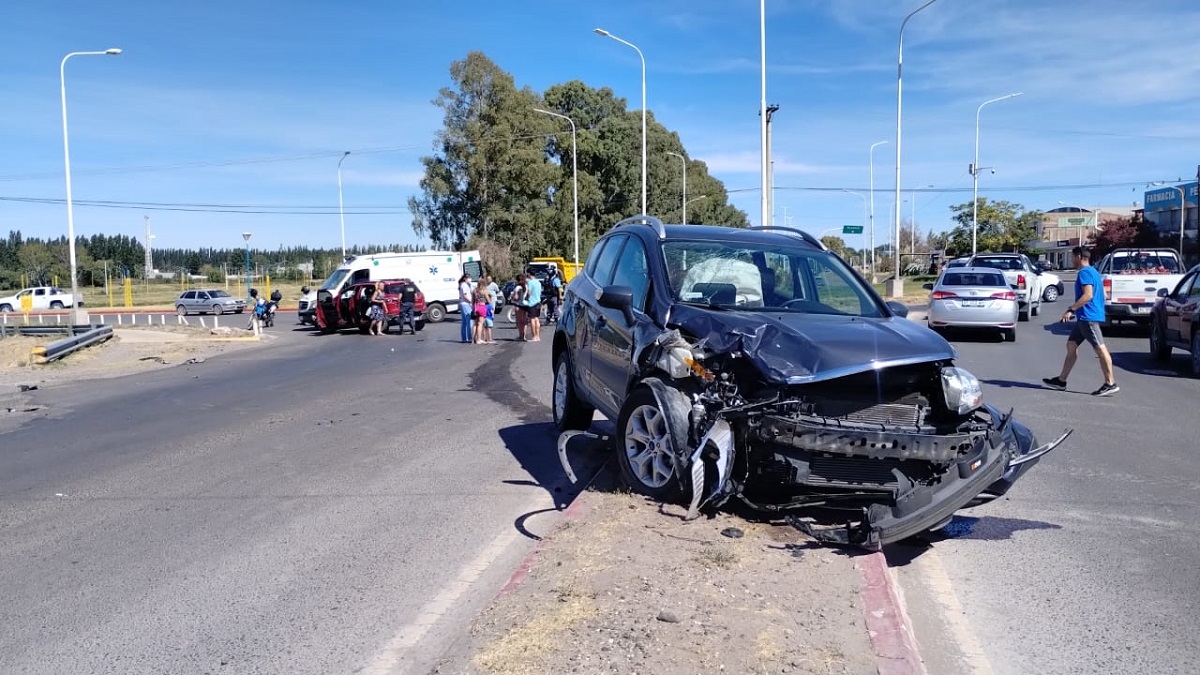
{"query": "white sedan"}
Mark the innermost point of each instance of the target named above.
(1052, 287)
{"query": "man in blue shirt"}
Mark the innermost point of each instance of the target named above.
(533, 306)
(1088, 313)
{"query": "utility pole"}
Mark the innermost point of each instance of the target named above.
(149, 262)
(769, 211)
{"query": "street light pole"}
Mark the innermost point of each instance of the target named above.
(872, 216)
(601, 31)
(78, 316)
(975, 175)
(683, 197)
(899, 89)
(341, 211)
(574, 178)
(763, 116)
(246, 236)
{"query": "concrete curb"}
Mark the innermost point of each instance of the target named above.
(887, 620)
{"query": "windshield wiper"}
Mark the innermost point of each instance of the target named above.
(705, 305)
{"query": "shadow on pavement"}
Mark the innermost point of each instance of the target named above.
(1014, 384)
(1142, 363)
(985, 528)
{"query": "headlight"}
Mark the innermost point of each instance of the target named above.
(962, 390)
(680, 363)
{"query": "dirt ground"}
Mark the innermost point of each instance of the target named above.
(130, 350)
(628, 586)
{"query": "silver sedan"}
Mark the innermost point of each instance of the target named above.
(973, 297)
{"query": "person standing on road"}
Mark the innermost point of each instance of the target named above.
(408, 303)
(518, 298)
(464, 307)
(533, 306)
(377, 311)
(1088, 313)
(554, 294)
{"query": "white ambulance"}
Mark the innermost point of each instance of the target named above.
(436, 273)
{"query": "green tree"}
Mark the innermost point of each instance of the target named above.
(1002, 226)
(837, 245)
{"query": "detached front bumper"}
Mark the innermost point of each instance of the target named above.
(987, 472)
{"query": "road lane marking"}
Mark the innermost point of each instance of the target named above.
(975, 661)
(391, 657)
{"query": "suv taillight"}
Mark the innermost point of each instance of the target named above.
(1108, 289)
(1020, 281)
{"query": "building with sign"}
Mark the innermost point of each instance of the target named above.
(1173, 212)
(1066, 227)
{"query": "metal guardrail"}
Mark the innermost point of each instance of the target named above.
(60, 348)
(35, 331)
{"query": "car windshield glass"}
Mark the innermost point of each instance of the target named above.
(218, 294)
(1146, 263)
(1000, 263)
(335, 280)
(765, 278)
(974, 279)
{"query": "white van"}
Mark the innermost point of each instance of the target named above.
(436, 273)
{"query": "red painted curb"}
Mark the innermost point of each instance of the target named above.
(887, 623)
(573, 511)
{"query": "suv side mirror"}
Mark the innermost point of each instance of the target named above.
(1162, 292)
(619, 298)
(898, 308)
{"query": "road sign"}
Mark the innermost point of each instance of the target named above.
(852, 229)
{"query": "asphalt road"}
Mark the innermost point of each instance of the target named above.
(323, 505)
(1092, 563)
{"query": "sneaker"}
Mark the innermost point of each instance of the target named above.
(1106, 390)
(1055, 383)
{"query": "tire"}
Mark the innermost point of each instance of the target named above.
(217, 310)
(1023, 315)
(1034, 310)
(5, 308)
(1195, 354)
(1159, 349)
(420, 325)
(645, 444)
(435, 312)
(56, 305)
(1009, 334)
(181, 310)
(570, 413)
(1051, 294)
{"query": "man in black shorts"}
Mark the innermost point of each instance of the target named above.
(1088, 313)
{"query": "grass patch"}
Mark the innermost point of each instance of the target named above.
(714, 556)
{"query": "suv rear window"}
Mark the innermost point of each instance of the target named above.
(1000, 263)
(973, 279)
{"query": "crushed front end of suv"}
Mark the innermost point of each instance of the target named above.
(755, 365)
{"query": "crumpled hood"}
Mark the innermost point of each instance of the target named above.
(795, 348)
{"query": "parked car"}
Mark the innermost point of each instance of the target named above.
(208, 301)
(973, 297)
(1175, 320)
(755, 364)
(958, 262)
(1045, 265)
(306, 308)
(43, 297)
(1052, 286)
(1022, 276)
(349, 308)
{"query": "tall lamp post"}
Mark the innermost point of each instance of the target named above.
(574, 178)
(246, 236)
(341, 211)
(896, 289)
(872, 216)
(683, 197)
(604, 33)
(78, 316)
(975, 174)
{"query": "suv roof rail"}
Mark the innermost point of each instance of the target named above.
(645, 220)
(803, 235)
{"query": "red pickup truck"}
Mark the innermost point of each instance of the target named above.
(349, 308)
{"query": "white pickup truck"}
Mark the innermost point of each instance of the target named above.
(1132, 277)
(1024, 277)
(43, 297)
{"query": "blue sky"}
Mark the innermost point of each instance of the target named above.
(252, 103)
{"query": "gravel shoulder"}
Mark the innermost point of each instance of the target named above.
(130, 350)
(627, 586)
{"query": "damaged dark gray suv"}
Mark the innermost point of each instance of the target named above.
(755, 364)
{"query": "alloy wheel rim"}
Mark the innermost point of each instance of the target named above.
(647, 447)
(560, 389)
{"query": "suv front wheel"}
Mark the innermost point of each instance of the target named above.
(570, 413)
(646, 443)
